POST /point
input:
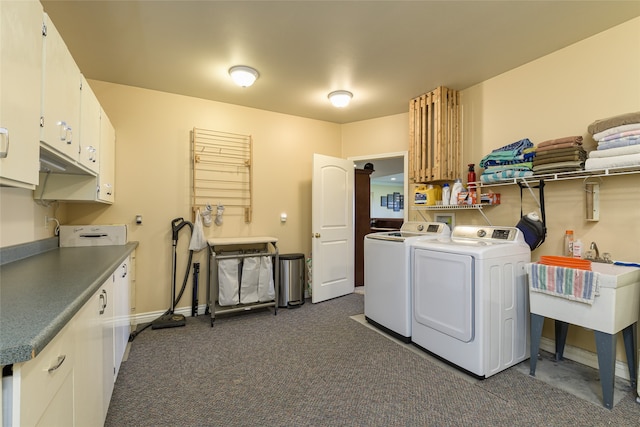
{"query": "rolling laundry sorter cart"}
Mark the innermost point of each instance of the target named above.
(243, 273)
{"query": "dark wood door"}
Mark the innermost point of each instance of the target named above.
(362, 223)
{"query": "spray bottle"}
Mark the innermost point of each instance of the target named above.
(471, 178)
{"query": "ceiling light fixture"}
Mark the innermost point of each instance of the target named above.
(243, 76)
(340, 98)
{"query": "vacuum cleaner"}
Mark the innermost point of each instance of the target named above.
(170, 319)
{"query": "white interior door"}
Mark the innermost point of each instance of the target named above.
(332, 228)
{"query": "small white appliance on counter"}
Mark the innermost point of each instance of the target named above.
(387, 299)
(92, 235)
(470, 297)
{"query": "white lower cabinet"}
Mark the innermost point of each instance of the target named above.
(44, 385)
(121, 315)
(93, 377)
(71, 381)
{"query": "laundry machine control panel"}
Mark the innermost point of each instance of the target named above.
(488, 234)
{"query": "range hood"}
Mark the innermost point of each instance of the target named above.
(51, 162)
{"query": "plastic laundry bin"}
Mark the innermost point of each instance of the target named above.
(291, 286)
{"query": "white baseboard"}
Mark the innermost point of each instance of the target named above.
(583, 357)
(140, 318)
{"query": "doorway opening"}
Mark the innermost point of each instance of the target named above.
(379, 200)
(389, 177)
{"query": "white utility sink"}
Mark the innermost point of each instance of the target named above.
(615, 307)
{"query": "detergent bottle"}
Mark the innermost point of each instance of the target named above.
(455, 190)
(446, 194)
(431, 195)
(420, 195)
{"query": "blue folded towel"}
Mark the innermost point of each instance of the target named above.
(516, 146)
(627, 264)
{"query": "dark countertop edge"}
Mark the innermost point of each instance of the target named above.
(24, 352)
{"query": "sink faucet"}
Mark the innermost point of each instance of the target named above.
(606, 257)
(594, 247)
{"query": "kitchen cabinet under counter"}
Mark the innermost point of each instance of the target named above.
(48, 301)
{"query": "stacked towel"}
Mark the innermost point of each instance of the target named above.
(618, 140)
(570, 283)
(510, 161)
(560, 155)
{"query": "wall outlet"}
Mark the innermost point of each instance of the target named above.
(46, 222)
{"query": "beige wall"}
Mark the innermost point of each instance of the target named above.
(555, 96)
(153, 177)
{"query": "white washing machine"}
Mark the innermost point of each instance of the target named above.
(387, 299)
(470, 298)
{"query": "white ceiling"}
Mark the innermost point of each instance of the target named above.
(385, 52)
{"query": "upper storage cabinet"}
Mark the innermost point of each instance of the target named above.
(60, 95)
(107, 175)
(89, 132)
(435, 146)
(20, 88)
(77, 187)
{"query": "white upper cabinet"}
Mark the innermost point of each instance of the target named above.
(60, 95)
(20, 88)
(107, 175)
(89, 135)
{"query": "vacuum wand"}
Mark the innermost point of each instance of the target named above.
(176, 225)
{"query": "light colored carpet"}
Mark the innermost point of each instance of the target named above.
(315, 366)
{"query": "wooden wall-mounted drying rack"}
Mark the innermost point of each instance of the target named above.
(222, 171)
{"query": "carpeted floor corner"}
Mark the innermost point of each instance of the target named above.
(314, 366)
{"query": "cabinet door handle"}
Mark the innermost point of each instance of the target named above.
(4, 143)
(103, 301)
(65, 132)
(124, 270)
(58, 363)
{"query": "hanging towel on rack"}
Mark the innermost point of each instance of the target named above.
(266, 289)
(228, 282)
(571, 283)
(249, 281)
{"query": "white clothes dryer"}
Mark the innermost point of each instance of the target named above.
(470, 298)
(387, 298)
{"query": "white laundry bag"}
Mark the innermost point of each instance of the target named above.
(266, 289)
(249, 281)
(228, 282)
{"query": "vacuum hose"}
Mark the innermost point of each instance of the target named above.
(176, 225)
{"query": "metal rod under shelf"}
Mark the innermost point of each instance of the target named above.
(563, 176)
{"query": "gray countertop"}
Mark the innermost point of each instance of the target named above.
(41, 293)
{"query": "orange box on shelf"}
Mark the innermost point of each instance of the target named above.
(468, 198)
(490, 198)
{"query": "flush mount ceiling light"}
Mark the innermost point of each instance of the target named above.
(340, 98)
(243, 76)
